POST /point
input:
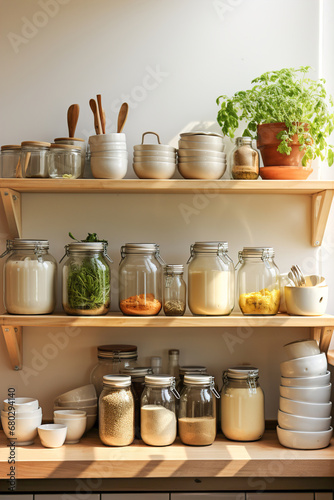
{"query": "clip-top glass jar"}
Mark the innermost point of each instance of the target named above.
(258, 281)
(65, 161)
(86, 279)
(197, 412)
(10, 161)
(245, 160)
(242, 404)
(30, 277)
(174, 292)
(33, 158)
(157, 414)
(210, 279)
(140, 279)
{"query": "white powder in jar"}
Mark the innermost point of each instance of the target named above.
(210, 292)
(158, 425)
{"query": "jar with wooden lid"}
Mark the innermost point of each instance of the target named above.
(64, 162)
(245, 160)
(33, 158)
(77, 142)
(174, 290)
(10, 161)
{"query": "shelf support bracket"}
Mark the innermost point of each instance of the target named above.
(13, 339)
(323, 336)
(12, 204)
(321, 205)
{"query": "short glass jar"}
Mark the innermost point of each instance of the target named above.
(30, 277)
(33, 158)
(245, 160)
(140, 280)
(116, 411)
(174, 291)
(10, 161)
(258, 282)
(210, 279)
(197, 411)
(86, 279)
(242, 404)
(77, 142)
(112, 359)
(157, 414)
(64, 162)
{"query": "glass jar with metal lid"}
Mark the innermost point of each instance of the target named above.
(10, 161)
(140, 279)
(116, 411)
(245, 160)
(189, 370)
(33, 158)
(157, 413)
(30, 277)
(65, 161)
(112, 359)
(86, 279)
(174, 290)
(197, 411)
(210, 279)
(242, 404)
(258, 281)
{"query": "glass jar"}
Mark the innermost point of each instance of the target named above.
(242, 404)
(10, 161)
(75, 141)
(188, 370)
(86, 279)
(64, 162)
(33, 158)
(197, 411)
(174, 291)
(245, 160)
(258, 282)
(30, 277)
(157, 413)
(112, 359)
(210, 279)
(116, 411)
(140, 280)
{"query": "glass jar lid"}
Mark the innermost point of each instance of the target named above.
(140, 248)
(8, 147)
(117, 351)
(86, 246)
(68, 139)
(159, 380)
(209, 246)
(116, 380)
(137, 372)
(198, 379)
(183, 370)
(65, 147)
(27, 244)
(257, 252)
(35, 144)
(243, 140)
(174, 269)
(242, 372)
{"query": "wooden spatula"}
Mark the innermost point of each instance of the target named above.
(122, 116)
(72, 119)
(97, 123)
(101, 113)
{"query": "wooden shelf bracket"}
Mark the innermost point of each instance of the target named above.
(321, 205)
(13, 339)
(12, 204)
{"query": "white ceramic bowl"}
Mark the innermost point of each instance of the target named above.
(154, 169)
(91, 415)
(297, 423)
(75, 423)
(203, 139)
(115, 146)
(111, 154)
(301, 440)
(52, 435)
(307, 394)
(82, 402)
(194, 159)
(306, 301)
(105, 167)
(318, 381)
(69, 414)
(154, 147)
(202, 170)
(200, 153)
(21, 414)
(24, 430)
(309, 366)
(103, 138)
(21, 405)
(301, 349)
(313, 410)
(84, 392)
(159, 154)
(78, 407)
(153, 159)
(201, 145)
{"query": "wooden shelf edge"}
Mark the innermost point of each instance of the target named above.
(330, 357)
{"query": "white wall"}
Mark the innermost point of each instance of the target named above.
(199, 49)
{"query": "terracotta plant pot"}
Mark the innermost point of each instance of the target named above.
(268, 143)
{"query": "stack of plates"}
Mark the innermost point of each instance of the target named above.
(201, 155)
(154, 161)
(83, 398)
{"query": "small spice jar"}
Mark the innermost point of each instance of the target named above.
(245, 162)
(30, 277)
(174, 291)
(242, 404)
(10, 161)
(33, 158)
(197, 411)
(64, 162)
(112, 359)
(158, 419)
(116, 411)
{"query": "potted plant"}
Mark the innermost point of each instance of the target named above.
(290, 115)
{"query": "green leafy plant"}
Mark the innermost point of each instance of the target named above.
(286, 96)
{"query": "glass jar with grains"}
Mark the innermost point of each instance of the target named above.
(116, 411)
(174, 291)
(245, 162)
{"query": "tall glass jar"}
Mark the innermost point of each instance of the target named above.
(30, 277)
(242, 404)
(258, 282)
(112, 359)
(210, 279)
(140, 280)
(10, 161)
(245, 160)
(157, 414)
(116, 411)
(189, 370)
(197, 412)
(174, 291)
(33, 158)
(86, 279)
(65, 161)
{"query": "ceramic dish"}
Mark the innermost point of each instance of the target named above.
(307, 394)
(202, 170)
(154, 169)
(83, 392)
(318, 381)
(306, 301)
(21, 405)
(301, 348)
(201, 145)
(300, 440)
(309, 366)
(25, 429)
(52, 435)
(313, 410)
(297, 423)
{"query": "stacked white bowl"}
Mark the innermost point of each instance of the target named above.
(81, 399)
(74, 420)
(304, 420)
(108, 156)
(20, 418)
(201, 155)
(154, 161)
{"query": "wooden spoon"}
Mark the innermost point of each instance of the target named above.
(72, 118)
(97, 123)
(122, 116)
(100, 111)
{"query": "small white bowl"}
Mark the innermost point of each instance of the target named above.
(202, 170)
(154, 169)
(103, 138)
(152, 152)
(115, 146)
(297, 423)
(200, 153)
(154, 147)
(82, 402)
(21, 414)
(108, 168)
(300, 440)
(309, 366)
(52, 435)
(69, 414)
(201, 145)
(83, 392)
(21, 404)
(318, 381)
(306, 301)
(313, 410)
(202, 139)
(111, 154)
(76, 425)
(88, 409)
(154, 159)
(91, 416)
(301, 349)
(23, 431)
(307, 394)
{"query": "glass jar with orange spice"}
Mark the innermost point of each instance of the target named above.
(140, 279)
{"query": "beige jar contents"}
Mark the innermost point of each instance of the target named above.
(197, 431)
(209, 292)
(116, 417)
(158, 425)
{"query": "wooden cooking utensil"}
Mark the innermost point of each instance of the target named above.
(97, 123)
(122, 116)
(100, 111)
(72, 119)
